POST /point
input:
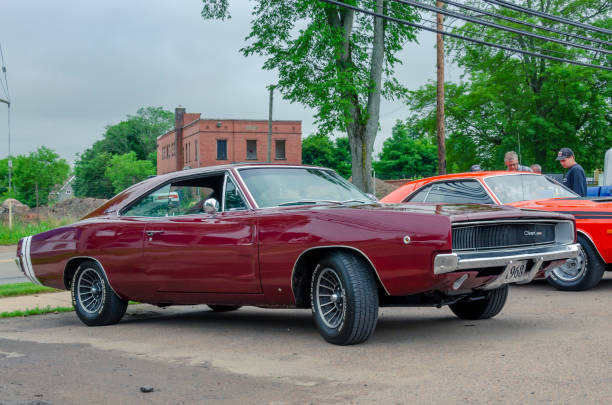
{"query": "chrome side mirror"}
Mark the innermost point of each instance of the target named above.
(211, 206)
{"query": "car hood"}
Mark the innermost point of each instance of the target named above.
(579, 206)
(458, 212)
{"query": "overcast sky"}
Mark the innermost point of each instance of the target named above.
(76, 66)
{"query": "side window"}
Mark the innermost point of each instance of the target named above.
(459, 192)
(233, 199)
(420, 195)
(154, 204)
(184, 197)
(193, 193)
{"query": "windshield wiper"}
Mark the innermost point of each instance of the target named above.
(315, 202)
(354, 200)
(307, 202)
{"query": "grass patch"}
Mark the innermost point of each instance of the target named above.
(16, 289)
(22, 229)
(36, 311)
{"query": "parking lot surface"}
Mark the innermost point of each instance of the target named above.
(546, 346)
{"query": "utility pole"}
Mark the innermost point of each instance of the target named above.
(440, 93)
(10, 162)
(270, 125)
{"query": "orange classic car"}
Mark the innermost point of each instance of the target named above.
(535, 192)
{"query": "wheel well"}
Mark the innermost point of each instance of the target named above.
(590, 241)
(71, 268)
(305, 266)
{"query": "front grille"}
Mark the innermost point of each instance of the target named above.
(502, 235)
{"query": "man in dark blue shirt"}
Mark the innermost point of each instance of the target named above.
(574, 179)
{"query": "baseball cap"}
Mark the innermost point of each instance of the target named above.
(475, 168)
(564, 153)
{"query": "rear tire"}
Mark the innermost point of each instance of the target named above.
(344, 299)
(488, 307)
(223, 308)
(579, 274)
(93, 299)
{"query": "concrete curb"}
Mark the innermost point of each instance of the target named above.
(25, 302)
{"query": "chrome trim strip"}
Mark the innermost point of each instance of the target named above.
(28, 260)
(554, 222)
(446, 263)
(99, 264)
(239, 169)
(236, 184)
(335, 246)
(24, 255)
(511, 221)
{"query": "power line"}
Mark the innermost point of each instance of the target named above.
(487, 37)
(517, 21)
(547, 16)
(450, 34)
(498, 26)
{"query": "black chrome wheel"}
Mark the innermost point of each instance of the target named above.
(344, 298)
(93, 299)
(90, 292)
(329, 298)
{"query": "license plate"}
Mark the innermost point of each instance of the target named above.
(515, 271)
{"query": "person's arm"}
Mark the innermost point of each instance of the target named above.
(581, 183)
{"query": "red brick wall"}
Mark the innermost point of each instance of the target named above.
(165, 164)
(236, 132)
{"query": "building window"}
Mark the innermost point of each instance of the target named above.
(221, 149)
(279, 147)
(251, 152)
(197, 152)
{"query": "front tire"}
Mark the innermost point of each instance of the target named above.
(93, 299)
(488, 307)
(579, 274)
(344, 299)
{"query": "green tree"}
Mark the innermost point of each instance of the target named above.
(320, 150)
(510, 101)
(333, 60)
(40, 170)
(90, 173)
(341, 155)
(407, 154)
(126, 170)
(138, 134)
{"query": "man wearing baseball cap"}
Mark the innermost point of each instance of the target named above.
(574, 179)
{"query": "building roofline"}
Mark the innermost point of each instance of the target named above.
(224, 119)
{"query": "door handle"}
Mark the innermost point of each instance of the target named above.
(151, 233)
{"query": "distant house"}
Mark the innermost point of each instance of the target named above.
(208, 142)
(62, 192)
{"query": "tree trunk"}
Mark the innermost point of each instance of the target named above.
(363, 136)
(361, 132)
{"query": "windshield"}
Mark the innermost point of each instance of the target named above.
(272, 187)
(523, 187)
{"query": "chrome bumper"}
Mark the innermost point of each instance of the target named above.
(447, 263)
(24, 262)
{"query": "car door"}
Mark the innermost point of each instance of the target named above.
(188, 250)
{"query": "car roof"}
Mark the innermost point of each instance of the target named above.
(410, 186)
(117, 202)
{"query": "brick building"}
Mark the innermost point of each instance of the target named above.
(208, 142)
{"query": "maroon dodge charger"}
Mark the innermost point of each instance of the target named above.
(292, 236)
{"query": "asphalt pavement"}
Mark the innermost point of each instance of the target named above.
(9, 273)
(545, 347)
